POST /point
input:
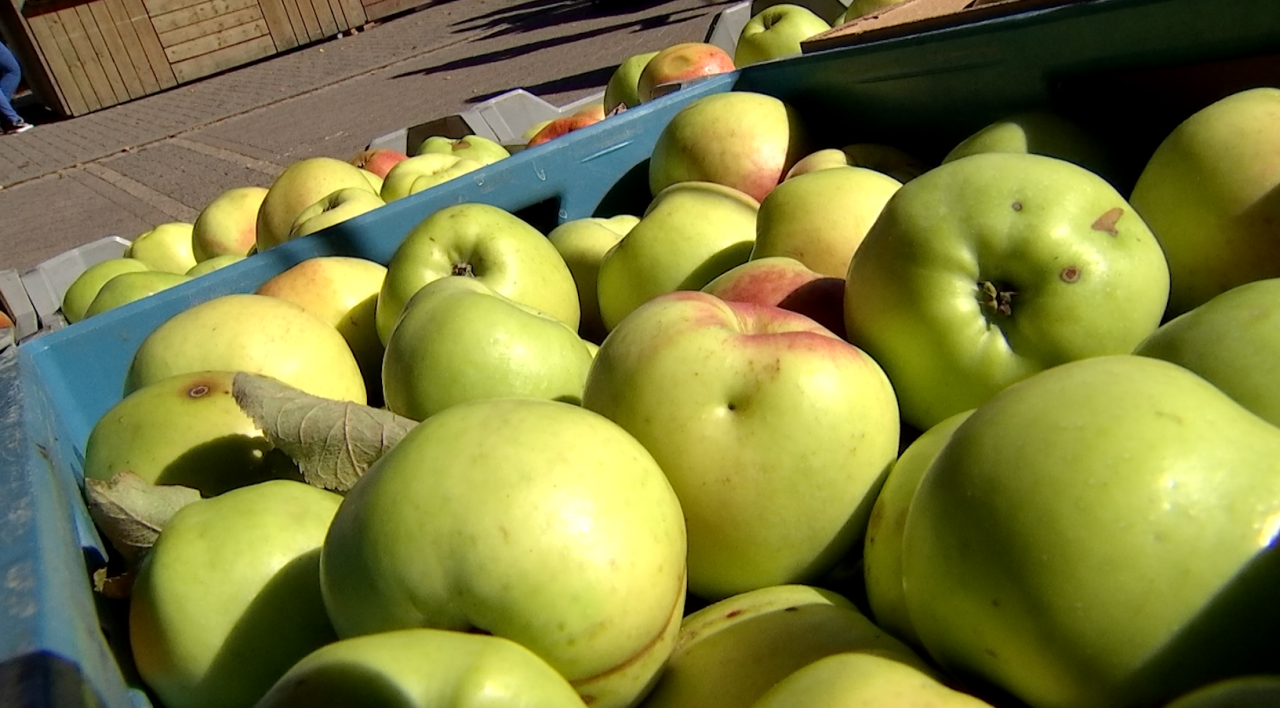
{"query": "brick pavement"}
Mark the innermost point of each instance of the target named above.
(122, 170)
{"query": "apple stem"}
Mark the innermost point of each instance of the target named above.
(994, 298)
(463, 269)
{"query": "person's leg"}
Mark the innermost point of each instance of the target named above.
(10, 77)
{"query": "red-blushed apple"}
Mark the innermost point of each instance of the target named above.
(682, 62)
(740, 139)
(378, 160)
(624, 85)
(775, 433)
(228, 225)
(787, 283)
(561, 126)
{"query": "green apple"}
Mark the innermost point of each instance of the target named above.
(685, 61)
(623, 88)
(776, 32)
(1233, 341)
(583, 244)
(740, 139)
(473, 147)
(863, 679)
(228, 225)
(422, 668)
(1039, 133)
(253, 333)
(185, 430)
(548, 525)
(1101, 534)
(432, 168)
(166, 248)
(731, 652)
(885, 159)
(1209, 193)
(131, 287)
(333, 209)
(882, 550)
(460, 341)
(228, 598)
(209, 265)
(342, 291)
(374, 180)
(300, 185)
(988, 269)
(863, 8)
(82, 291)
(484, 242)
(690, 233)
(1261, 691)
(821, 218)
(787, 283)
(775, 433)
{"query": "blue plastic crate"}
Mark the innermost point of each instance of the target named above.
(1133, 67)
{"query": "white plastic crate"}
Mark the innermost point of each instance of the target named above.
(48, 282)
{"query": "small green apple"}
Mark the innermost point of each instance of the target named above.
(131, 287)
(78, 297)
(431, 168)
(300, 185)
(1038, 133)
(882, 158)
(1261, 691)
(623, 88)
(776, 32)
(863, 679)
(333, 209)
(862, 8)
(166, 248)
(209, 265)
(473, 147)
(373, 179)
(228, 225)
(583, 244)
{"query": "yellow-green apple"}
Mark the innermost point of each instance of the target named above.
(775, 433)
(432, 168)
(185, 430)
(559, 532)
(776, 32)
(346, 203)
(379, 161)
(583, 244)
(985, 270)
(787, 283)
(841, 18)
(739, 139)
(228, 598)
(473, 147)
(873, 156)
(882, 550)
(1211, 193)
(1121, 553)
(1232, 341)
(131, 287)
(685, 61)
(374, 180)
(166, 248)
(209, 265)
(422, 668)
(228, 225)
(623, 88)
(1039, 133)
(1261, 691)
(300, 185)
(342, 291)
(862, 678)
(458, 340)
(82, 291)
(253, 333)
(561, 126)
(821, 218)
(485, 242)
(730, 653)
(690, 233)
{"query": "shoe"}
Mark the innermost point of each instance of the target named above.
(18, 128)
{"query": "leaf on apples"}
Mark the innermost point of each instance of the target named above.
(333, 442)
(131, 511)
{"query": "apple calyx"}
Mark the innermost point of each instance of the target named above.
(997, 298)
(463, 269)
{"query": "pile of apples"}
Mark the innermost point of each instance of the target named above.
(823, 426)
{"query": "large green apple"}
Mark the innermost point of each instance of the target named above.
(1211, 193)
(690, 233)
(228, 598)
(460, 341)
(131, 287)
(863, 679)
(78, 297)
(424, 171)
(1102, 534)
(473, 147)
(1233, 341)
(821, 218)
(1039, 133)
(623, 88)
(775, 433)
(300, 185)
(166, 248)
(344, 204)
(185, 430)
(547, 525)
(228, 225)
(583, 244)
(422, 668)
(985, 270)
(484, 242)
(776, 32)
(253, 333)
(1262, 691)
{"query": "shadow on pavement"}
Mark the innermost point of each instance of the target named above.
(583, 80)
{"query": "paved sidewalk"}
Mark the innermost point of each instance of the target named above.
(122, 170)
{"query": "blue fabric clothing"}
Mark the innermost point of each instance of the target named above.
(10, 77)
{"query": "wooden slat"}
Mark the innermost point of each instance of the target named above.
(208, 10)
(295, 21)
(137, 55)
(324, 15)
(339, 17)
(210, 27)
(156, 8)
(309, 20)
(214, 42)
(99, 44)
(354, 12)
(278, 22)
(58, 65)
(115, 45)
(72, 58)
(379, 10)
(150, 42)
(225, 58)
(88, 58)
